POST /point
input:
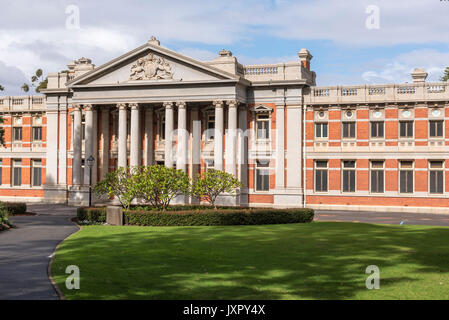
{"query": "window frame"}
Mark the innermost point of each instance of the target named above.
(371, 169)
(257, 168)
(267, 120)
(33, 133)
(406, 122)
(36, 164)
(377, 129)
(349, 130)
(14, 138)
(442, 170)
(406, 169)
(13, 172)
(209, 134)
(316, 169)
(349, 169)
(321, 124)
(436, 129)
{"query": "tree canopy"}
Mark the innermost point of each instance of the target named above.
(445, 76)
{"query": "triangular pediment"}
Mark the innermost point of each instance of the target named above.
(151, 64)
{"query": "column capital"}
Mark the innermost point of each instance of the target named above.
(218, 103)
(88, 107)
(121, 106)
(232, 103)
(77, 107)
(134, 106)
(181, 104)
(168, 105)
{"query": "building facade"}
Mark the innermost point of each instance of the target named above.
(290, 143)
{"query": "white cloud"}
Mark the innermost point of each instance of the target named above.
(398, 69)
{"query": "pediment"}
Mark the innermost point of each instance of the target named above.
(261, 108)
(151, 64)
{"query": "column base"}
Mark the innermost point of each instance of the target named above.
(55, 194)
(288, 198)
(79, 196)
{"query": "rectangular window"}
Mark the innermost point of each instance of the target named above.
(210, 127)
(321, 176)
(377, 176)
(209, 164)
(263, 126)
(436, 128)
(348, 176)
(406, 176)
(436, 177)
(406, 129)
(16, 173)
(37, 133)
(377, 129)
(262, 175)
(321, 130)
(348, 129)
(17, 133)
(36, 173)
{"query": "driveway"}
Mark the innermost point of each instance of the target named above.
(383, 217)
(25, 251)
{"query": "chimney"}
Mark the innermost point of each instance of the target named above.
(305, 57)
(419, 75)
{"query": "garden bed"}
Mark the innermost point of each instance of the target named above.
(200, 216)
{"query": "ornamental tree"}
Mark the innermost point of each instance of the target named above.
(159, 185)
(119, 183)
(212, 183)
(445, 76)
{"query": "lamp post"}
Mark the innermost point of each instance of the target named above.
(90, 163)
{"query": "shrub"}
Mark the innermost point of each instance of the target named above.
(14, 207)
(212, 183)
(218, 217)
(158, 184)
(118, 183)
(4, 221)
(92, 214)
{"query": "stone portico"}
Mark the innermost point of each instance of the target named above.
(153, 105)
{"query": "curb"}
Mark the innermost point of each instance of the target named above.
(50, 263)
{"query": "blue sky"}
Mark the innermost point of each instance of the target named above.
(411, 34)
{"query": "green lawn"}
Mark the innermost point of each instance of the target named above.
(321, 260)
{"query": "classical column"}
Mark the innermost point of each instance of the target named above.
(231, 135)
(52, 146)
(76, 161)
(280, 147)
(181, 161)
(135, 135)
(88, 140)
(218, 137)
(196, 142)
(104, 160)
(169, 127)
(148, 155)
(243, 135)
(62, 165)
(122, 136)
(95, 147)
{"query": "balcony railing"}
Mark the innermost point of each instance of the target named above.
(379, 93)
(22, 103)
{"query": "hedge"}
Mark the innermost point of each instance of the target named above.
(14, 207)
(218, 218)
(92, 214)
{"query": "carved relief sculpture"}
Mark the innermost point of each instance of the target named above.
(151, 68)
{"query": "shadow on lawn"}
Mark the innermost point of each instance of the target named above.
(311, 261)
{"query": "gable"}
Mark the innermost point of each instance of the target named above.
(149, 64)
